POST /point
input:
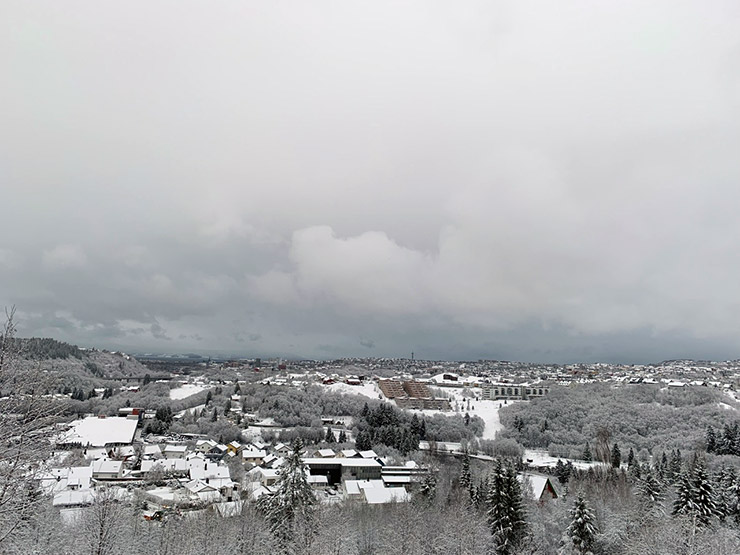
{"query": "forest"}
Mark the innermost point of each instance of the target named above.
(646, 418)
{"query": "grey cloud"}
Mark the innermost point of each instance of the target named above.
(510, 180)
(158, 332)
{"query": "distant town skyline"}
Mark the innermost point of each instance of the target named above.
(511, 180)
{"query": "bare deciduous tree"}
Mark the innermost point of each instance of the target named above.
(27, 414)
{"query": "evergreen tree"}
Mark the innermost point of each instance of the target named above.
(662, 467)
(505, 509)
(466, 481)
(651, 493)
(480, 493)
(630, 458)
(724, 483)
(587, 453)
(415, 425)
(363, 441)
(329, 438)
(582, 528)
(684, 503)
(674, 467)
(209, 396)
(290, 509)
(428, 486)
(711, 440)
(562, 472)
(342, 436)
(423, 429)
(214, 416)
(227, 406)
(704, 499)
(616, 456)
(727, 443)
(695, 497)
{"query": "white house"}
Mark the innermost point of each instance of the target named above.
(106, 469)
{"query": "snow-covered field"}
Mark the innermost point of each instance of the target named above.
(366, 389)
(535, 457)
(487, 410)
(186, 391)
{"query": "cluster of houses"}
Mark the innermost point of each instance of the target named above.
(97, 453)
(344, 474)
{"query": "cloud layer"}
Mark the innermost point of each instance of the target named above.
(521, 180)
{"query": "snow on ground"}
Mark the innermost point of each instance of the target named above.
(536, 457)
(726, 406)
(368, 389)
(487, 410)
(186, 391)
(193, 410)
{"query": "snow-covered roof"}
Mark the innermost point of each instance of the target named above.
(166, 495)
(376, 493)
(167, 465)
(198, 486)
(154, 450)
(106, 466)
(210, 471)
(537, 483)
(400, 479)
(99, 432)
(73, 497)
(342, 461)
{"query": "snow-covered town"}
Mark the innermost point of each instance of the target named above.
(187, 472)
(190, 472)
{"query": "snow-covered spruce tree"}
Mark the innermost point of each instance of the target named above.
(616, 456)
(651, 494)
(706, 505)
(684, 503)
(505, 509)
(582, 529)
(329, 437)
(289, 511)
(695, 497)
(725, 490)
(466, 480)
(711, 440)
(428, 486)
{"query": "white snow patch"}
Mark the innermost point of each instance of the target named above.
(186, 391)
(367, 389)
(487, 410)
(535, 457)
(726, 406)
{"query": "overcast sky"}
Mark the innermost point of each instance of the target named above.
(527, 180)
